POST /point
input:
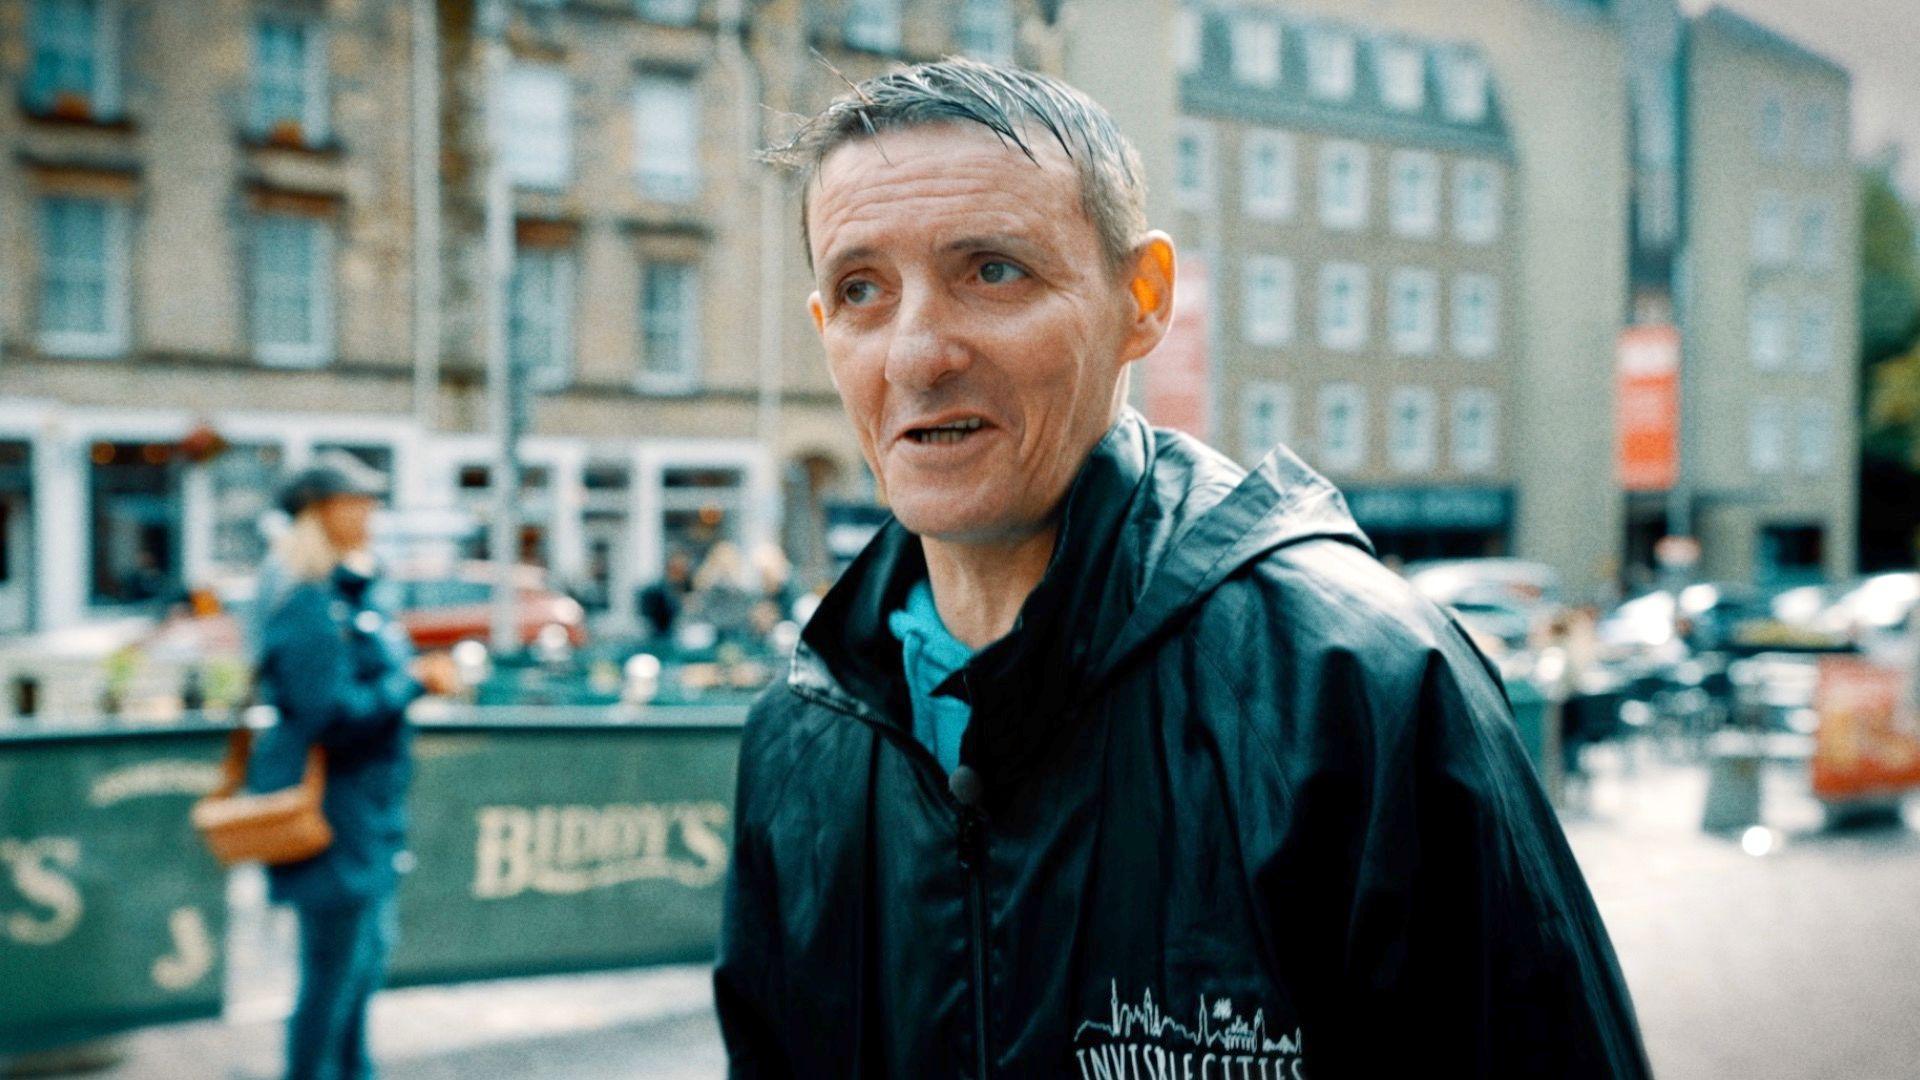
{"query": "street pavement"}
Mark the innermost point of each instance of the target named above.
(1800, 962)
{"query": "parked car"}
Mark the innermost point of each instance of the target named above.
(441, 606)
(1500, 601)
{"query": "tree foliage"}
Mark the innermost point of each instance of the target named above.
(1889, 322)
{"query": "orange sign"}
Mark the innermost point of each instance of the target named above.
(1177, 376)
(1647, 408)
(1867, 744)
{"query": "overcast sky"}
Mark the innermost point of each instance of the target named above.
(1879, 41)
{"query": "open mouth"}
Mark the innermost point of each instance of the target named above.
(945, 434)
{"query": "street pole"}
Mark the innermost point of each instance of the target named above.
(502, 378)
(426, 215)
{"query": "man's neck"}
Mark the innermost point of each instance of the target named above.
(979, 588)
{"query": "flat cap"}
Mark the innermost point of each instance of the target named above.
(333, 472)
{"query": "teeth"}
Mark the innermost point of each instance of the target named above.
(947, 433)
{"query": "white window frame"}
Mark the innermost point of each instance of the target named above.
(872, 25)
(685, 377)
(314, 119)
(1477, 211)
(1274, 200)
(1411, 449)
(531, 165)
(1255, 42)
(1813, 439)
(1466, 87)
(1401, 70)
(1350, 453)
(675, 175)
(1772, 230)
(1767, 331)
(1267, 300)
(1343, 207)
(1413, 311)
(1767, 436)
(1197, 196)
(986, 30)
(1343, 326)
(317, 349)
(112, 339)
(103, 96)
(1475, 451)
(1814, 335)
(1332, 69)
(1189, 37)
(1413, 202)
(555, 371)
(1257, 442)
(1470, 341)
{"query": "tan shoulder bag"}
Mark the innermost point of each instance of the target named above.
(274, 827)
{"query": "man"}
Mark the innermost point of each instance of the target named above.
(1106, 758)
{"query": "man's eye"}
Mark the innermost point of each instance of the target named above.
(999, 271)
(858, 292)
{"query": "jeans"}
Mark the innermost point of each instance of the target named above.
(343, 961)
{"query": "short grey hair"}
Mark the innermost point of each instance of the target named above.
(1007, 101)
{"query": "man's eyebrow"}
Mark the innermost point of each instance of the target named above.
(992, 241)
(832, 267)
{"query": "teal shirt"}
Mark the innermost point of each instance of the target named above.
(931, 656)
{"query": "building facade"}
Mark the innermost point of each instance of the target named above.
(1349, 195)
(1772, 218)
(236, 233)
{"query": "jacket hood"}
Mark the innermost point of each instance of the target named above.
(1154, 522)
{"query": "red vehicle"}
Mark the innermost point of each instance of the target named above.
(443, 606)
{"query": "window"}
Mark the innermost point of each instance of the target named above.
(1821, 135)
(1475, 430)
(292, 290)
(540, 317)
(1343, 426)
(1403, 76)
(1463, 88)
(1266, 418)
(666, 117)
(1256, 51)
(1267, 300)
(671, 12)
(1767, 436)
(1813, 444)
(1343, 306)
(83, 277)
(1343, 185)
(1816, 335)
(986, 30)
(289, 82)
(873, 25)
(669, 327)
(1414, 198)
(536, 127)
(1268, 181)
(1193, 165)
(1772, 232)
(1476, 315)
(1771, 136)
(134, 511)
(1189, 36)
(1410, 429)
(1816, 235)
(74, 70)
(1413, 311)
(1476, 201)
(1330, 64)
(1767, 332)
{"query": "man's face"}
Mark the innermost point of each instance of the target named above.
(971, 324)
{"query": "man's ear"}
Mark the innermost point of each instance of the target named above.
(819, 312)
(1150, 286)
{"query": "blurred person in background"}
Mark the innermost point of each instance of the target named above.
(1105, 755)
(660, 603)
(341, 674)
(718, 598)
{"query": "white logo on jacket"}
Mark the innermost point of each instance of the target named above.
(1139, 1042)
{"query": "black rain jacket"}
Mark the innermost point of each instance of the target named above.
(1234, 803)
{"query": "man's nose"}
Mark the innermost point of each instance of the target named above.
(926, 346)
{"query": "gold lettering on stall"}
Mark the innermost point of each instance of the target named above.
(35, 868)
(564, 850)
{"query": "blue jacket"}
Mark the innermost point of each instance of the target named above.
(336, 667)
